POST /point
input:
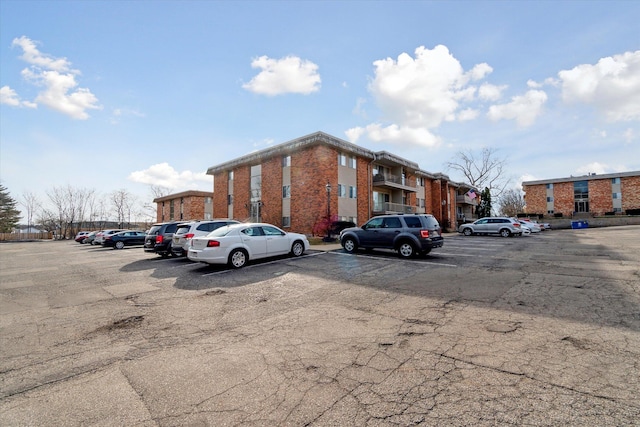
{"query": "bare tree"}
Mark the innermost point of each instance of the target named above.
(69, 209)
(511, 202)
(159, 191)
(123, 203)
(483, 170)
(31, 203)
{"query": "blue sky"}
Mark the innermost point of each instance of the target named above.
(111, 95)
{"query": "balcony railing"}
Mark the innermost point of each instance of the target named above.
(394, 181)
(393, 208)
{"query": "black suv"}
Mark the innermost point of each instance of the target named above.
(408, 234)
(159, 238)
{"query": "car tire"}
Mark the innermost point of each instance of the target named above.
(238, 258)
(406, 250)
(349, 244)
(119, 245)
(505, 232)
(297, 249)
(467, 231)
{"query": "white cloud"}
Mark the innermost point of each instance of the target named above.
(164, 175)
(628, 136)
(417, 94)
(60, 91)
(595, 167)
(612, 86)
(287, 75)
(395, 134)
(524, 109)
(9, 97)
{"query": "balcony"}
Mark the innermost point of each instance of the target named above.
(393, 181)
(393, 208)
(464, 199)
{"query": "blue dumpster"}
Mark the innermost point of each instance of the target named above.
(579, 224)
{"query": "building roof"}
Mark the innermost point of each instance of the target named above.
(188, 193)
(589, 177)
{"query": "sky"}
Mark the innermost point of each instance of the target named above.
(112, 95)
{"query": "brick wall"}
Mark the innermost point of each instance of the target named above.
(220, 193)
(241, 193)
(563, 199)
(272, 191)
(364, 181)
(311, 169)
(600, 198)
(536, 199)
(630, 187)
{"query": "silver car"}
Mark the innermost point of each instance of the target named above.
(187, 231)
(504, 226)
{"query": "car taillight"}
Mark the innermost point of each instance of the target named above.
(213, 244)
(424, 234)
(517, 225)
(189, 236)
(107, 238)
(159, 239)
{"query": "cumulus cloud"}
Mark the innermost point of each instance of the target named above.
(164, 175)
(416, 94)
(612, 86)
(524, 108)
(57, 80)
(9, 97)
(287, 75)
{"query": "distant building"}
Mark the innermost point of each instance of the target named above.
(188, 205)
(299, 183)
(592, 194)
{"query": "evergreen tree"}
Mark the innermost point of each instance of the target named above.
(9, 215)
(484, 208)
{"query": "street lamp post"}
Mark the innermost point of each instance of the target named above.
(328, 188)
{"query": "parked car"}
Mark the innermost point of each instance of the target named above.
(503, 226)
(89, 238)
(104, 233)
(531, 226)
(159, 237)
(187, 231)
(237, 244)
(526, 231)
(124, 238)
(408, 234)
(81, 236)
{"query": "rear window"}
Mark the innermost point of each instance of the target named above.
(171, 228)
(183, 229)
(222, 231)
(154, 229)
(431, 221)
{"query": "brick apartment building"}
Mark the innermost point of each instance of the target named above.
(188, 205)
(298, 184)
(590, 195)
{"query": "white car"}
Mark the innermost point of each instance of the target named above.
(532, 226)
(236, 244)
(187, 231)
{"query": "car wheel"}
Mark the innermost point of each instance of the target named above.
(505, 233)
(406, 250)
(119, 245)
(297, 249)
(238, 258)
(467, 231)
(349, 245)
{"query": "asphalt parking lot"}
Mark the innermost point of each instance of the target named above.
(536, 330)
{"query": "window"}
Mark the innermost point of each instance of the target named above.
(549, 186)
(342, 190)
(286, 191)
(286, 221)
(229, 199)
(171, 210)
(271, 231)
(615, 180)
(286, 161)
(549, 199)
(413, 222)
(617, 195)
(550, 211)
(392, 222)
(342, 159)
(230, 175)
(353, 194)
(352, 162)
(207, 200)
(256, 183)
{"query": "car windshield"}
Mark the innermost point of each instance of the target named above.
(222, 231)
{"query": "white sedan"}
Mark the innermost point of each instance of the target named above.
(532, 226)
(236, 244)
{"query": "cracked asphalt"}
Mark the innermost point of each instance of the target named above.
(537, 330)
